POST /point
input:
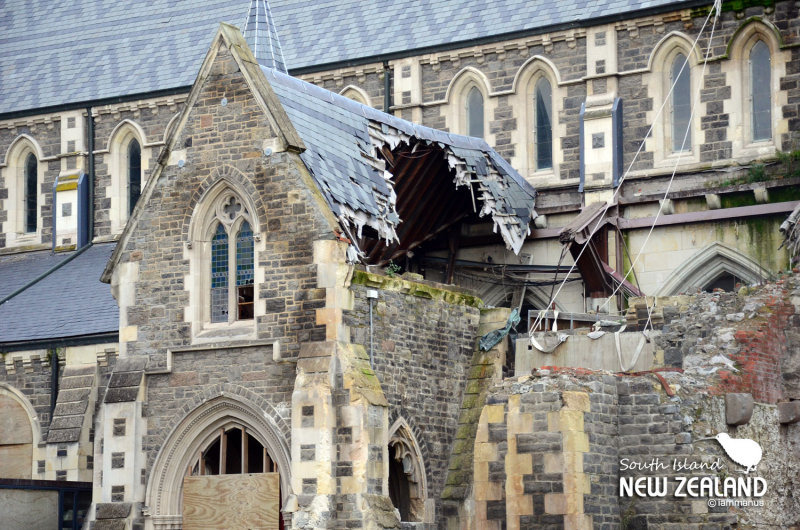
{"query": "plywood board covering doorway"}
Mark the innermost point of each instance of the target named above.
(249, 501)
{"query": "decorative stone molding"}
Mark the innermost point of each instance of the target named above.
(165, 487)
(709, 263)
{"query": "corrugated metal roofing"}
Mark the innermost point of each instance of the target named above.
(54, 53)
(70, 302)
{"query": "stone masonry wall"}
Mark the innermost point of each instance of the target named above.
(423, 339)
(48, 136)
(32, 379)
(225, 141)
(152, 116)
(153, 121)
(745, 335)
(570, 54)
(553, 448)
(590, 431)
(197, 376)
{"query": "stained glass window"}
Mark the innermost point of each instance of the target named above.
(543, 110)
(31, 195)
(244, 271)
(134, 174)
(681, 104)
(219, 275)
(474, 113)
(760, 90)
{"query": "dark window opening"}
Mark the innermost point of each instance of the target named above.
(232, 268)
(399, 488)
(681, 104)
(544, 124)
(134, 174)
(234, 452)
(474, 113)
(725, 281)
(761, 91)
(31, 193)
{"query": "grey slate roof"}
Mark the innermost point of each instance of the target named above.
(262, 36)
(70, 302)
(54, 53)
(335, 130)
(17, 270)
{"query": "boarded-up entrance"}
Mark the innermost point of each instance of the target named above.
(231, 501)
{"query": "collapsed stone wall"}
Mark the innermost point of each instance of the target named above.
(422, 344)
(553, 448)
(744, 342)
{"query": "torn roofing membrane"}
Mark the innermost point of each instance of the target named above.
(343, 139)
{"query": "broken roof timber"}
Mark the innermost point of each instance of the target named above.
(346, 151)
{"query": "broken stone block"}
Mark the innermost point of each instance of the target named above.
(738, 408)
(789, 412)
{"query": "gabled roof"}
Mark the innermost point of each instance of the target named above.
(58, 53)
(343, 140)
(70, 302)
(339, 139)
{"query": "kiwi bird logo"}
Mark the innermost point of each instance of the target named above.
(743, 451)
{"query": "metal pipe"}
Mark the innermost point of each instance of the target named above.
(372, 295)
(90, 133)
(371, 345)
(45, 274)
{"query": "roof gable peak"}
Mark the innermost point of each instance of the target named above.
(262, 37)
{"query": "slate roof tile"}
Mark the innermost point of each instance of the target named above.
(69, 302)
(329, 123)
(102, 49)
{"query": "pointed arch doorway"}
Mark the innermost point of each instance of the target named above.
(225, 463)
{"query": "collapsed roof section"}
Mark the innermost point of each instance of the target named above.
(354, 151)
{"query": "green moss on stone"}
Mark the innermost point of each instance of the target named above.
(420, 290)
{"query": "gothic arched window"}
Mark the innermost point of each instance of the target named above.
(760, 91)
(474, 108)
(680, 80)
(232, 265)
(31, 193)
(134, 174)
(543, 124)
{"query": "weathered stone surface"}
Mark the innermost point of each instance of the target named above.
(738, 408)
(113, 510)
(110, 524)
(789, 412)
(121, 395)
(63, 435)
(124, 379)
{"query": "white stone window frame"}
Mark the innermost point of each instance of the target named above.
(198, 252)
(14, 177)
(739, 106)
(456, 97)
(523, 103)
(405, 445)
(356, 94)
(659, 82)
(117, 149)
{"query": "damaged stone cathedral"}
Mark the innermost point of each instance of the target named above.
(399, 265)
